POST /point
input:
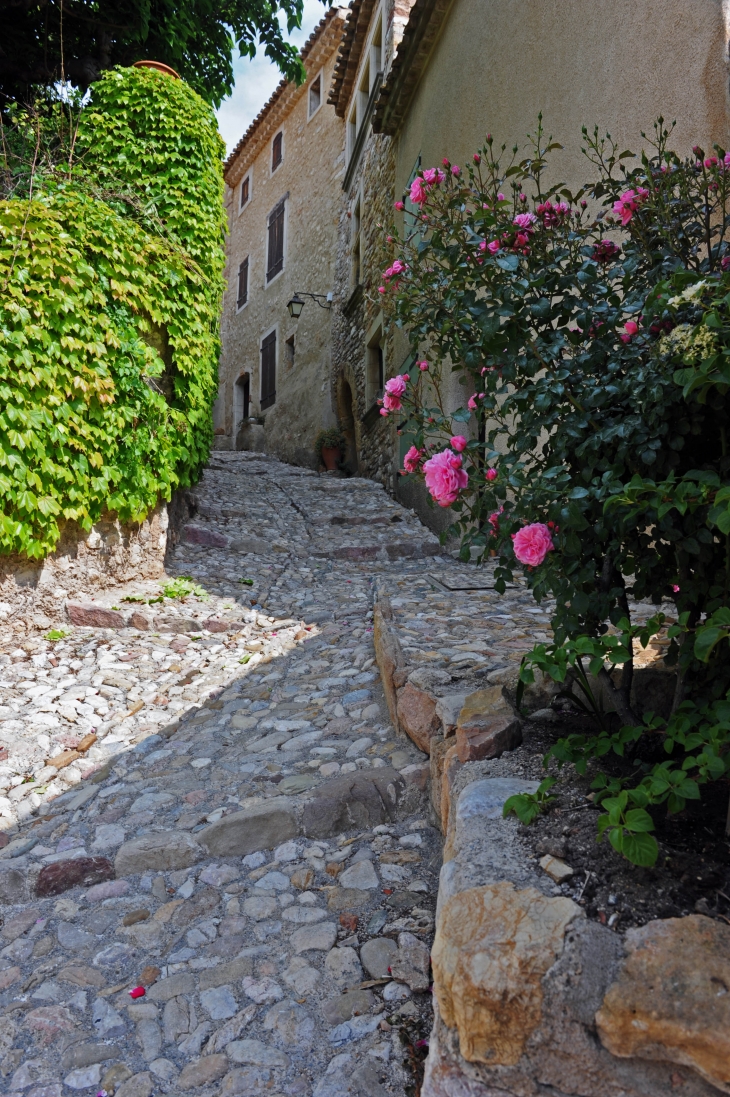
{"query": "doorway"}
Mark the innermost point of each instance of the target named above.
(241, 403)
(347, 425)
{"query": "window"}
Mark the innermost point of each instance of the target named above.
(356, 246)
(242, 295)
(245, 191)
(277, 150)
(315, 95)
(268, 371)
(275, 262)
(290, 352)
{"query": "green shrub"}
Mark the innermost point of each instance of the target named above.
(109, 309)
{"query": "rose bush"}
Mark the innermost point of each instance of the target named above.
(591, 333)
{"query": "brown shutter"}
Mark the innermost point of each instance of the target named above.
(244, 191)
(276, 241)
(276, 155)
(242, 297)
(268, 371)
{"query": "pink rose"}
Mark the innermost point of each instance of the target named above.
(383, 411)
(493, 247)
(399, 205)
(491, 474)
(493, 520)
(631, 328)
(524, 221)
(396, 386)
(418, 191)
(412, 460)
(381, 289)
(532, 544)
(472, 404)
(398, 267)
(445, 477)
(458, 442)
(423, 365)
(629, 202)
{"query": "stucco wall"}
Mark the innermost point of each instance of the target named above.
(580, 62)
(310, 175)
(498, 63)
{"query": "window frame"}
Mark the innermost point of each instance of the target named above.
(311, 113)
(241, 305)
(248, 178)
(284, 204)
(266, 402)
(356, 241)
(375, 353)
(275, 167)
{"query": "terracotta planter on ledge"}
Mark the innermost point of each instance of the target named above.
(331, 456)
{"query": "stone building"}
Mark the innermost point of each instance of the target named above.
(362, 348)
(283, 186)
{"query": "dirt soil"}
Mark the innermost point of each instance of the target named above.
(692, 873)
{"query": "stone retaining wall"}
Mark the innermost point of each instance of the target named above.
(530, 996)
(33, 592)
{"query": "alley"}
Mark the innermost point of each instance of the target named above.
(247, 717)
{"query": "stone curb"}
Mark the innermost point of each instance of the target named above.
(528, 993)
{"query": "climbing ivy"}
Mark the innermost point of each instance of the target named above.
(110, 288)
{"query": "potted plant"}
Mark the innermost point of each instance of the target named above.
(328, 447)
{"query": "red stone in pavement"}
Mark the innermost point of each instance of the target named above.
(83, 871)
(89, 615)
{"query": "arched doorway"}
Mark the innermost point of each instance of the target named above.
(347, 425)
(241, 404)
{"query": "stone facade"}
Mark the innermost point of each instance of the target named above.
(363, 354)
(281, 407)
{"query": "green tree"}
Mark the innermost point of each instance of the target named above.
(45, 40)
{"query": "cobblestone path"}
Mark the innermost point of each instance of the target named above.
(204, 797)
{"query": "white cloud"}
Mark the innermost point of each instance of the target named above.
(256, 80)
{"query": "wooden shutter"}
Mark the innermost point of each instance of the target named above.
(276, 241)
(242, 297)
(276, 153)
(268, 371)
(245, 191)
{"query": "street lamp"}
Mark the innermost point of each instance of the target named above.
(296, 304)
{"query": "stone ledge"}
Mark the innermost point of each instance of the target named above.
(532, 996)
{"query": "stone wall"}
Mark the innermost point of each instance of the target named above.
(358, 321)
(33, 592)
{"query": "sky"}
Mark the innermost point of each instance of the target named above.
(256, 80)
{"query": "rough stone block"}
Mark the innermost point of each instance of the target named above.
(263, 826)
(484, 704)
(417, 716)
(488, 739)
(388, 654)
(89, 615)
(13, 884)
(162, 852)
(451, 766)
(493, 946)
(416, 775)
(671, 1000)
(172, 623)
(359, 800)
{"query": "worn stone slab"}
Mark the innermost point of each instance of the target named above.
(162, 852)
(263, 826)
(361, 800)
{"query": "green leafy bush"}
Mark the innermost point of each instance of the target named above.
(109, 308)
(591, 333)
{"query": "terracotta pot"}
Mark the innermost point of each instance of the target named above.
(156, 65)
(330, 457)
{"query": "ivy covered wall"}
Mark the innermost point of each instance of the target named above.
(111, 275)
